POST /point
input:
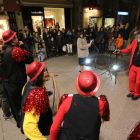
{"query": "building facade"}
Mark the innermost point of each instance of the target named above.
(10, 16)
(47, 13)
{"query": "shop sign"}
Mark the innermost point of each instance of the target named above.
(36, 12)
(1, 1)
(93, 12)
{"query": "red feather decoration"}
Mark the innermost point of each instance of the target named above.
(19, 54)
(106, 114)
(135, 135)
(63, 98)
(38, 101)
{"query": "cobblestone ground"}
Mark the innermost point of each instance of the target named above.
(124, 112)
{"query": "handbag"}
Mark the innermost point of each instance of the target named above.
(64, 48)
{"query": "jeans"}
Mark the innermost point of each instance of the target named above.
(4, 102)
(101, 47)
(29, 48)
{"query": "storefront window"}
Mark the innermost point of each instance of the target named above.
(92, 22)
(38, 24)
(109, 22)
(54, 15)
(3, 26)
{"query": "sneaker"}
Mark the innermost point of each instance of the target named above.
(7, 118)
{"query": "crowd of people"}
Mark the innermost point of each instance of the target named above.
(28, 101)
(105, 39)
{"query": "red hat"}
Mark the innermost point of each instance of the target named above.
(137, 32)
(8, 35)
(88, 83)
(34, 69)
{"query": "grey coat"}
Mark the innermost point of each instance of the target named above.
(82, 47)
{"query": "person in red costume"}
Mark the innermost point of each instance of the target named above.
(135, 134)
(134, 67)
(81, 113)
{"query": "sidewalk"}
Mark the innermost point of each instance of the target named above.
(124, 112)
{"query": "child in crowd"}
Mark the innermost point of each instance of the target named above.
(119, 42)
(40, 52)
(53, 47)
(112, 45)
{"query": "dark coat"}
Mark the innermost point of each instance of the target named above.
(28, 39)
(14, 72)
(59, 40)
(52, 44)
(46, 38)
(20, 37)
(69, 39)
(126, 33)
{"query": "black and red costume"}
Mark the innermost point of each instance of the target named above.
(14, 72)
(81, 114)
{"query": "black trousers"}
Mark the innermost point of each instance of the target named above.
(47, 48)
(4, 102)
(13, 92)
(60, 50)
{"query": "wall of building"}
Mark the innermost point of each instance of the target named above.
(10, 5)
(96, 13)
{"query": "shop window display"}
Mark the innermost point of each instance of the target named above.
(38, 24)
(3, 26)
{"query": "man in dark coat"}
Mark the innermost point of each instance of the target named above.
(59, 42)
(46, 38)
(14, 71)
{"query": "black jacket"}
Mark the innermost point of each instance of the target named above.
(28, 39)
(14, 72)
(69, 39)
(20, 37)
(59, 40)
(46, 38)
(126, 33)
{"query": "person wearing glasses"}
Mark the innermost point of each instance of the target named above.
(36, 118)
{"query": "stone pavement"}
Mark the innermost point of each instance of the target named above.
(124, 113)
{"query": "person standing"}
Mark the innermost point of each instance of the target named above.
(132, 35)
(28, 42)
(74, 38)
(134, 67)
(83, 52)
(14, 71)
(46, 38)
(92, 37)
(126, 33)
(59, 42)
(20, 35)
(7, 115)
(37, 40)
(81, 113)
(102, 37)
(69, 42)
